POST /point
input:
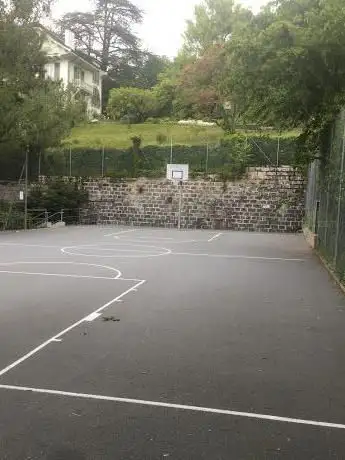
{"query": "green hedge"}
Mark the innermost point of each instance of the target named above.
(230, 156)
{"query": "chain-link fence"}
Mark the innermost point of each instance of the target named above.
(230, 154)
(325, 200)
(151, 161)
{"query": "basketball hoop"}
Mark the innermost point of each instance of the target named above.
(177, 173)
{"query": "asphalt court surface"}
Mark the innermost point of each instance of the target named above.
(125, 343)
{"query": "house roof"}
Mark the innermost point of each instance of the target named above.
(80, 54)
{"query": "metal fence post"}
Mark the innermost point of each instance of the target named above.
(26, 188)
(102, 165)
(171, 150)
(341, 182)
(179, 206)
(278, 150)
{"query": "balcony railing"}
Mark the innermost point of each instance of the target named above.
(78, 83)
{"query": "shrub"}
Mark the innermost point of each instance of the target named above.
(56, 195)
(161, 138)
(137, 103)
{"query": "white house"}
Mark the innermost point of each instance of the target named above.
(74, 68)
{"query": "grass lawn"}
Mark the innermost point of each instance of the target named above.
(115, 135)
(118, 135)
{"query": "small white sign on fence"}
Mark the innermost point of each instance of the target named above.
(21, 195)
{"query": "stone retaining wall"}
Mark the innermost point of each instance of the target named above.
(267, 200)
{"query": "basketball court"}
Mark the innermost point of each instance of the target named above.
(138, 343)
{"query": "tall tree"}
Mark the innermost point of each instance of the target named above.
(197, 92)
(166, 89)
(288, 66)
(152, 66)
(35, 113)
(140, 70)
(24, 12)
(214, 22)
(107, 32)
(107, 35)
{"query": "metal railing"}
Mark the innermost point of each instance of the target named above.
(78, 83)
(37, 218)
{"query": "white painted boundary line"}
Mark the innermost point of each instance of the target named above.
(214, 237)
(68, 329)
(69, 250)
(154, 238)
(92, 317)
(167, 405)
(120, 233)
(60, 275)
(29, 245)
(52, 262)
(24, 262)
(228, 256)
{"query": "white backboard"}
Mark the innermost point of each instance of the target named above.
(177, 172)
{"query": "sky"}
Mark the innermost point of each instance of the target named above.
(164, 20)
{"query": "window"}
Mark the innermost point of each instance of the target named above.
(79, 75)
(76, 73)
(96, 100)
(57, 71)
(95, 77)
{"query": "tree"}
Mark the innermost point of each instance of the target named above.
(288, 66)
(168, 82)
(24, 12)
(197, 92)
(132, 104)
(214, 23)
(106, 34)
(150, 69)
(140, 70)
(34, 113)
(200, 90)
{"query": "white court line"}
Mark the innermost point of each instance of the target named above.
(69, 250)
(128, 279)
(69, 276)
(120, 233)
(116, 248)
(60, 275)
(68, 329)
(29, 245)
(92, 317)
(207, 410)
(227, 256)
(214, 237)
(119, 274)
(137, 241)
(154, 238)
